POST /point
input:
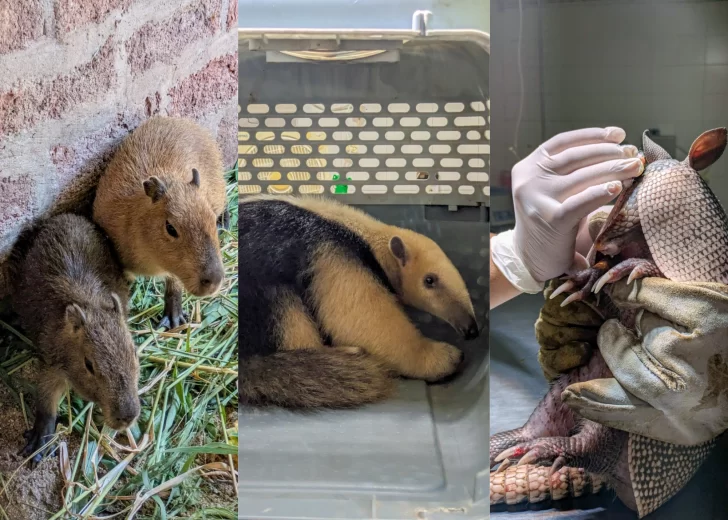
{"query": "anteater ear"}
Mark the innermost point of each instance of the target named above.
(195, 178)
(118, 307)
(75, 316)
(155, 188)
(707, 149)
(396, 246)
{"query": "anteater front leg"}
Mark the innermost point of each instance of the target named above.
(174, 315)
(357, 310)
(51, 385)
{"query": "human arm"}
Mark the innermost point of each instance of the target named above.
(554, 189)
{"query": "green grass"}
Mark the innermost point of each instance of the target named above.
(181, 460)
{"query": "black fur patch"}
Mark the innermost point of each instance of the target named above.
(277, 241)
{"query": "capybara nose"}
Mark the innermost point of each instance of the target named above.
(125, 418)
(210, 281)
(126, 415)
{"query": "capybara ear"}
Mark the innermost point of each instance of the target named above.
(155, 188)
(195, 178)
(75, 316)
(118, 307)
(707, 149)
(396, 246)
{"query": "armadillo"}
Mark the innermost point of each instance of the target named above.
(666, 223)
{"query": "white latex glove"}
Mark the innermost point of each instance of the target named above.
(554, 189)
(671, 377)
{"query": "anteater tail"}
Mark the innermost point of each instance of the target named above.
(315, 378)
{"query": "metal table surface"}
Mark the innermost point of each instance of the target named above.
(517, 385)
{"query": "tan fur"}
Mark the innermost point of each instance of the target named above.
(356, 310)
(168, 148)
(298, 330)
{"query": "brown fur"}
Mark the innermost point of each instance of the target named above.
(70, 294)
(316, 378)
(135, 211)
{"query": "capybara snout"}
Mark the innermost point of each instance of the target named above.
(124, 412)
(211, 275)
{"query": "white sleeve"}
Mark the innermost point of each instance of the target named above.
(505, 256)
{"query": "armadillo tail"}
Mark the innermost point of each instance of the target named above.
(529, 484)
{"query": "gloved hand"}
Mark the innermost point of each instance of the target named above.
(671, 376)
(568, 335)
(554, 188)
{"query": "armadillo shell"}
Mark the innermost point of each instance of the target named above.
(684, 225)
(659, 470)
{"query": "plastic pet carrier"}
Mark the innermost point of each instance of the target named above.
(395, 122)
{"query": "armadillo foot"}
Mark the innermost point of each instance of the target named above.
(636, 268)
(581, 283)
(595, 448)
(504, 440)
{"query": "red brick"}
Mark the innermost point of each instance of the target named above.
(72, 14)
(227, 136)
(161, 42)
(232, 14)
(151, 104)
(21, 22)
(17, 195)
(207, 90)
(35, 100)
(79, 164)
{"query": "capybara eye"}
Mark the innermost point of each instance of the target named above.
(171, 230)
(89, 366)
(430, 281)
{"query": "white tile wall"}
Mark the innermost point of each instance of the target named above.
(611, 63)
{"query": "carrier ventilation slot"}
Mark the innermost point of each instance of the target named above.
(424, 152)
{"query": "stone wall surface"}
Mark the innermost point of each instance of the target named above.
(76, 76)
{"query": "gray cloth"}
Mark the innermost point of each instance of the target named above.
(671, 375)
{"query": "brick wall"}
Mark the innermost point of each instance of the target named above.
(77, 75)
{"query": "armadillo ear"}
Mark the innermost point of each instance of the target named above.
(396, 246)
(155, 188)
(195, 178)
(653, 151)
(707, 149)
(75, 316)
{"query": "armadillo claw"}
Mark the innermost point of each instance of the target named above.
(564, 287)
(636, 268)
(507, 463)
(583, 281)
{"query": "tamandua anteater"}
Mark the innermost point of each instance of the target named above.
(322, 288)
